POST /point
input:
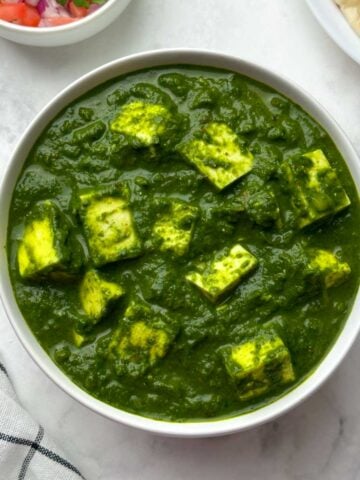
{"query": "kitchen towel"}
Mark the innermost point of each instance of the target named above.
(26, 453)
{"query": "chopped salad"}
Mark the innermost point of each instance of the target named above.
(46, 13)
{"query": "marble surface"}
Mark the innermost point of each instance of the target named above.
(321, 438)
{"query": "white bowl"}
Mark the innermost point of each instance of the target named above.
(64, 34)
(335, 24)
(84, 84)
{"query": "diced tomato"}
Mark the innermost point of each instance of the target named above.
(13, 13)
(23, 12)
(31, 18)
(57, 21)
(77, 12)
(20, 13)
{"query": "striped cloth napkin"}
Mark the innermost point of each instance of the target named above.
(26, 453)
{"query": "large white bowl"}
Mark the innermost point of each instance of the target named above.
(64, 34)
(335, 24)
(84, 84)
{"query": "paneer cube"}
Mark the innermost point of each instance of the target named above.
(315, 189)
(47, 248)
(142, 339)
(142, 122)
(175, 227)
(108, 225)
(97, 295)
(258, 365)
(218, 155)
(78, 339)
(326, 268)
(223, 273)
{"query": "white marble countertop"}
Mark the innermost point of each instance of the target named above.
(321, 438)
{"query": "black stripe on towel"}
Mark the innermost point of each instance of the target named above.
(39, 448)
(27, 460)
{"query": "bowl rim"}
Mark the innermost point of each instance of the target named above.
(111, 70)
(343, 31)
(41, 32)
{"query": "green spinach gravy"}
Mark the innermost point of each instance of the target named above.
(184, 243)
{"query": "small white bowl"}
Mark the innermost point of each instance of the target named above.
(64, 34)
(83, 85)
(337, 27)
